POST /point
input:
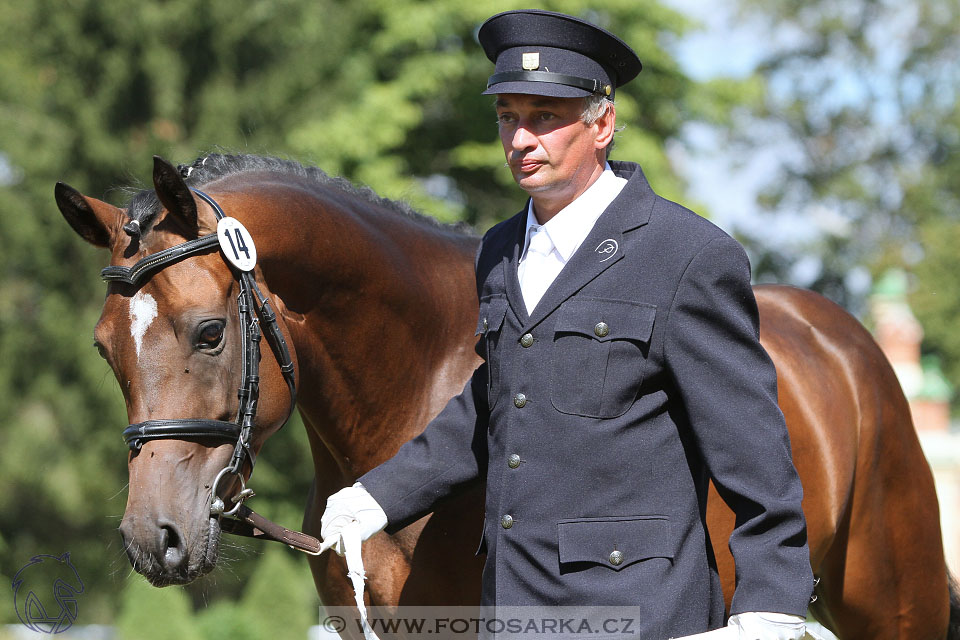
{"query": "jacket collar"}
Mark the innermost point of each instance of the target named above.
(636, 201)
(602, 248)
(570, 226)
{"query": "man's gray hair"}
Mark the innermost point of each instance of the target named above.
(594, 107)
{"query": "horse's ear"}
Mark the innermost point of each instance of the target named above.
(174, 193)
(93, 219)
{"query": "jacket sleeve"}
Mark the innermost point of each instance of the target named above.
(728, 386)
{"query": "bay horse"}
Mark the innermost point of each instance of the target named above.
(378, 307)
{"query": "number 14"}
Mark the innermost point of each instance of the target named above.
(240, 244)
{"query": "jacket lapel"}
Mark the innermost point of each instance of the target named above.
(603, 247)
(511, 263)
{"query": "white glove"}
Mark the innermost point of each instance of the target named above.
(351, 504)
(756, 626)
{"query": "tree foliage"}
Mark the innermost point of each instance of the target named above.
(860, 106)
(859, 118)
(382, 92)
(860, 103)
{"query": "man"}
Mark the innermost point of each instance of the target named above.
(622, 370)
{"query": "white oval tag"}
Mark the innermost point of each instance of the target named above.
(237, 244)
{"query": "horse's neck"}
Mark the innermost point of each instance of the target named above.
(382, 312)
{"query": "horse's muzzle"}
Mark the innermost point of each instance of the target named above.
(165, 555)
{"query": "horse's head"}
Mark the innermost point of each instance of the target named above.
(173, 337)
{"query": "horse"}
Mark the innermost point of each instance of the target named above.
(378, 307)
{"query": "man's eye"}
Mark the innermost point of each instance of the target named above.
(504, 118)
(547, 116)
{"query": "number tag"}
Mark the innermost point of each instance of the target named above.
(237, 244)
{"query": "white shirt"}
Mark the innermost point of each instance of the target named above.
(555, 242)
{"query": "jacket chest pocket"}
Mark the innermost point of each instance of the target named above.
(489, 328)
(600, 352)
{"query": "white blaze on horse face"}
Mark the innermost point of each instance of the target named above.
(143, 309)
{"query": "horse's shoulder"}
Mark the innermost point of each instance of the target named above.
(791, 316)
(798, 301)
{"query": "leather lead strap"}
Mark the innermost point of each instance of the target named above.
(253, 525)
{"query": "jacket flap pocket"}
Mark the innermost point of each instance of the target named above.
(603, 319)
(492, 312)
(616, 542)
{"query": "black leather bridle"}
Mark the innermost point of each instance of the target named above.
(256, 318)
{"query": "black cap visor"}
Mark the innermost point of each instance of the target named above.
(540, 83)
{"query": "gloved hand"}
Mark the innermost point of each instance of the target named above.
(351, 504)
(761, 625)
(755, 625)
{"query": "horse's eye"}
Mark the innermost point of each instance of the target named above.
(211, 334)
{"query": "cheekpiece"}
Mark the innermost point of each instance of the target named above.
(553, 54)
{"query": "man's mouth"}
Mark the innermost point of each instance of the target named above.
(528, 166)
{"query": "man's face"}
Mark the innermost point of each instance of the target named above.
(550, 150)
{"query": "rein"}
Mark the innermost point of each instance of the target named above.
(257, 318)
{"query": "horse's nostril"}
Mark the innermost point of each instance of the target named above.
(171, 547)
(125, 534)
(168, 537)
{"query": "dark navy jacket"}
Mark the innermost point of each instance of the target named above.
(619, 426)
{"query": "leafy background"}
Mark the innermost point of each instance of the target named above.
(386, 93)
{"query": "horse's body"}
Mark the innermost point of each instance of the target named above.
(380, 308)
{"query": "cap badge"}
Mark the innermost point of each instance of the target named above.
(531, 61)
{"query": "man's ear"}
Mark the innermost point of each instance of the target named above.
(606, 126)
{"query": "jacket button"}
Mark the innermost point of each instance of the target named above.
(486, 325)
(513, 461)
(506, 521)
(602, 329)
(526, 340)
(519, 400)
(616, 558)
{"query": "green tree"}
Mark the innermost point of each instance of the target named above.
(155, 614)
(861, 102)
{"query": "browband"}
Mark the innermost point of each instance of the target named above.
(133, 275)
(587, 84)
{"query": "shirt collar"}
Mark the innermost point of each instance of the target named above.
(569, 228)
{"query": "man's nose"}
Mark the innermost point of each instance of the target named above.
(523, 139)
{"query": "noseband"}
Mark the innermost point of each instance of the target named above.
(256, 318)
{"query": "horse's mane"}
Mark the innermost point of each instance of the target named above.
(144, 206)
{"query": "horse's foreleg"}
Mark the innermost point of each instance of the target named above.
(894, 581)
(385, 561)
(329, 571)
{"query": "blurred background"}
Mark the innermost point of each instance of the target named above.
(822, 134)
